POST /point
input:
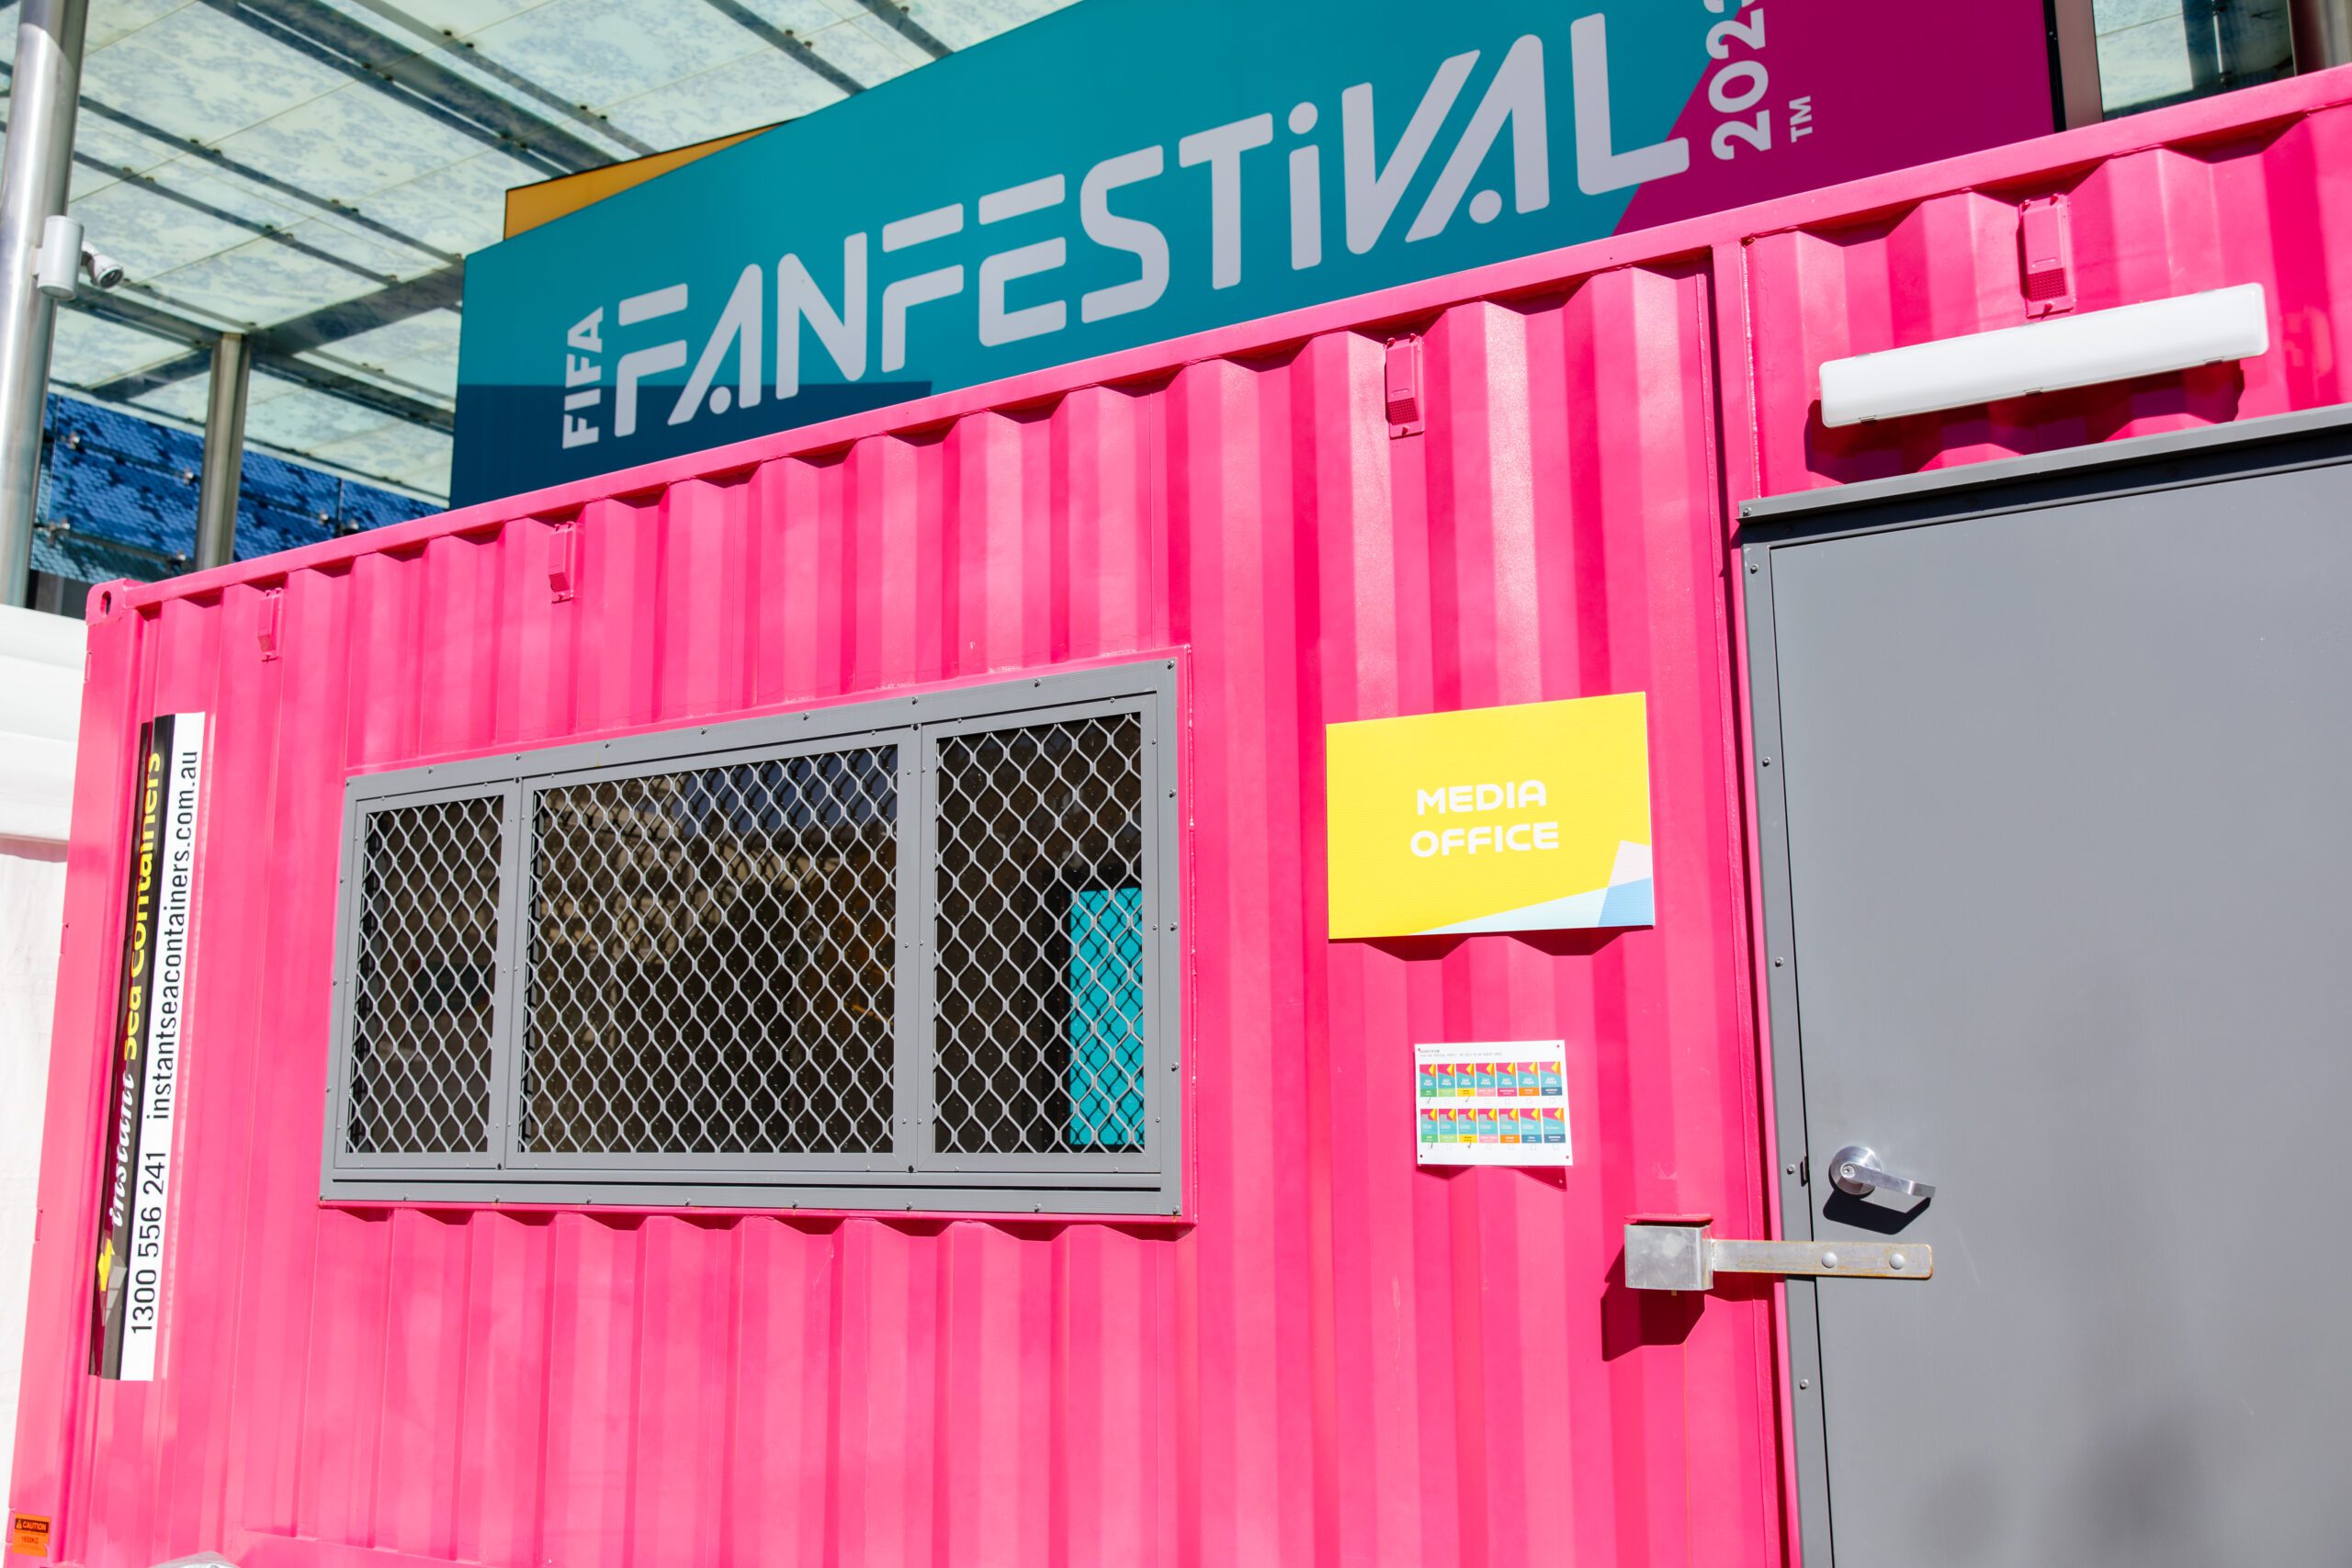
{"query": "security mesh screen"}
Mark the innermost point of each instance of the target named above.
(712, 959)
(669, 968)
(427, 959)
(1039, 986)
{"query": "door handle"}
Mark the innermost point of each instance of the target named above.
(1854, 1170)
(1679, 1252)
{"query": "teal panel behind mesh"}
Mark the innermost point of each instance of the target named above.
(1106, 1019)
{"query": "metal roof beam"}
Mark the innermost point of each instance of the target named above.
(129, 312)
(276, 354)
(325, 34)
(269, 232)
(262, 178)
(226, 164)
(138, 383)
(442, 291)
(353, 389)
(451, 44)
(220, 214)
(896, 19)
(305, 333)
(787, 44)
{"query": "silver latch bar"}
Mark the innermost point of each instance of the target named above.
(1680, 1252)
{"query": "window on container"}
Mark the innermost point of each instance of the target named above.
(1038, 1021)
(2154, 52)
(712, 962)
(913, 954)
(422, 1029)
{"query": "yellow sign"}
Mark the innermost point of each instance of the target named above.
(29, 1534)
(1527, 818)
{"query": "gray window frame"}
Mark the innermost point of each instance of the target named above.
(912, 1178)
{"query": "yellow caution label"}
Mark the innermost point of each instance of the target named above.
(29, 1534)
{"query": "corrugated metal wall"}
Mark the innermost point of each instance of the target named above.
(1341, 1358)
(2246, 197)
(1337, 1358)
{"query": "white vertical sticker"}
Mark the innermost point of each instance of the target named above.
(145, 1293)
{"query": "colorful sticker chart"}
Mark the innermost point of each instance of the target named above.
(1492, 1103)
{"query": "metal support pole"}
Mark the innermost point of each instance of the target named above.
(2200, 24)
(2074, 41)
(2323, 34)
(48, 81)
(224, 452)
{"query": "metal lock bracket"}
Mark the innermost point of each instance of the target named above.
(1680, 1252)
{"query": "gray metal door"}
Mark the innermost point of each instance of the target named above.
(2057, 831)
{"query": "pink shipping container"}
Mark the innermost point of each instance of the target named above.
(1329, 1356)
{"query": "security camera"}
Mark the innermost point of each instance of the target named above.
(63, 260)
(102, 268)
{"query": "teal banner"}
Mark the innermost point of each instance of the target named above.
(1125, 171)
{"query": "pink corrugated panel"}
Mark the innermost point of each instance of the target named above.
(2266, 199)
(1333, 1357)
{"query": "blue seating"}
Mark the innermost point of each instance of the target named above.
(119, 497)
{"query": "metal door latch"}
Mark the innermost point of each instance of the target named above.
(1854, 1171)
(1677, 1252)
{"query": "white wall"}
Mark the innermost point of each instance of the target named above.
(40, 700)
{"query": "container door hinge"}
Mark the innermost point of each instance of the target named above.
(562, 549)
(1403, 382)
(1680, 1252)
(272, 601)
(2046, 257)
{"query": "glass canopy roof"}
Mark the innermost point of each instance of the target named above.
(314, 171)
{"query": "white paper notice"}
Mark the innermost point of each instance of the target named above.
(1492, 1103)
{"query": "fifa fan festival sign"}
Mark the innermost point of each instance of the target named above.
(1535, 817)
(1127, 171)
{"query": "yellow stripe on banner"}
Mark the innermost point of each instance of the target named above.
(527, 207)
